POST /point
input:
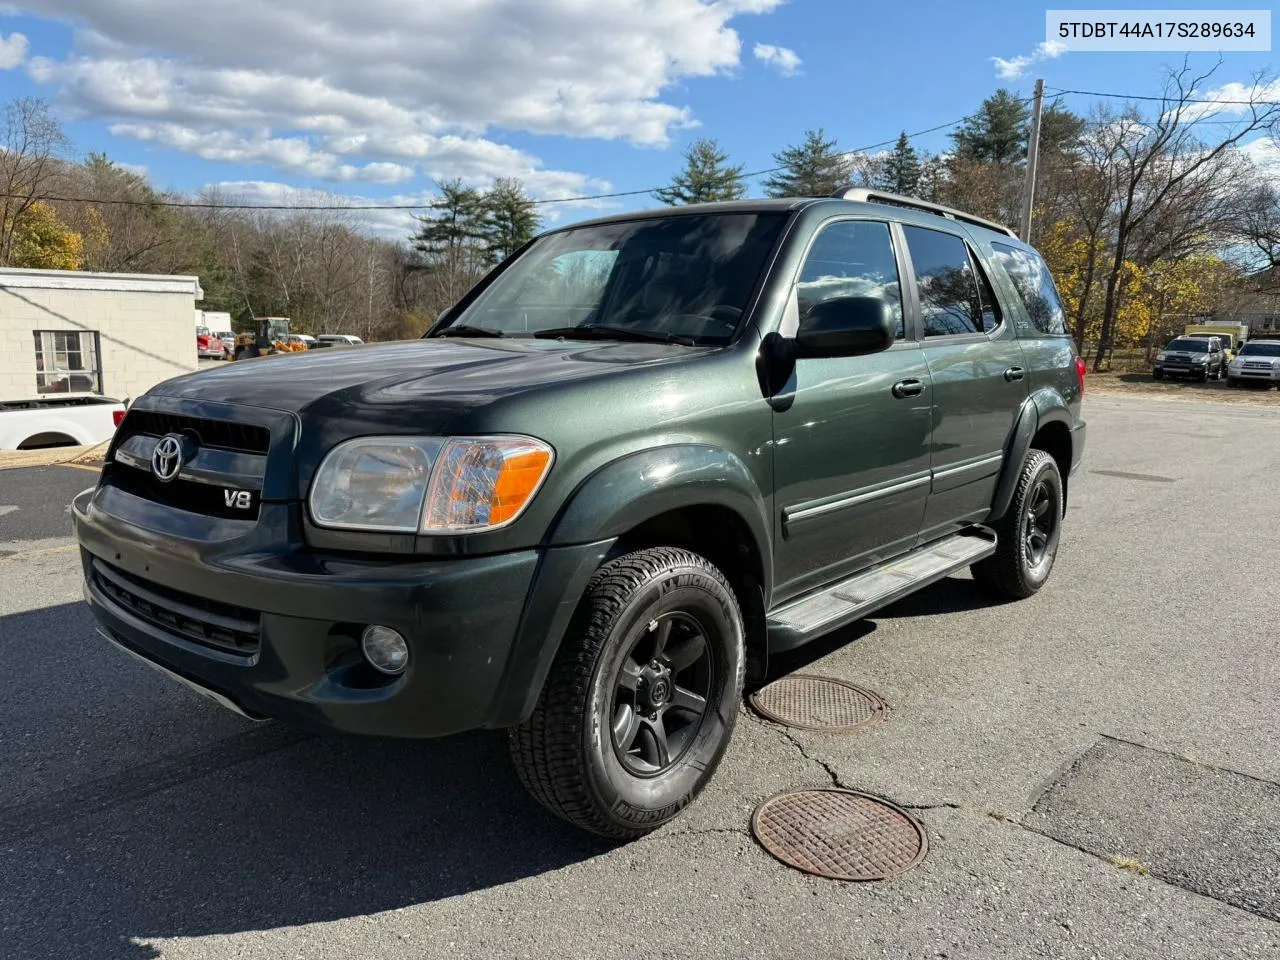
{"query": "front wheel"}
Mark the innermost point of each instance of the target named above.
(1232, 381)
(1028, 534)
(641, 699)
(1157, 374)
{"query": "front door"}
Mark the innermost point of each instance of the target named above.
(978, 373)
(851, 434)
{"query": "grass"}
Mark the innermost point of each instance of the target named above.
(1130, 864)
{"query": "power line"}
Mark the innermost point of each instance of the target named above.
(213, 205)
(358, 208)
(1058, 91)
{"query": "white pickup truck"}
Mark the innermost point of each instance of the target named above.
(58, 421)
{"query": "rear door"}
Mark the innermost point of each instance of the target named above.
(851, 434)
(978, 374)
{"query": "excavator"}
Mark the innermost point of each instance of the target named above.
(270, 336)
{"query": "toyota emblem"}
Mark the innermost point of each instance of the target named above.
(166, 459)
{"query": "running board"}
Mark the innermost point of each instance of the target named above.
(798, 621)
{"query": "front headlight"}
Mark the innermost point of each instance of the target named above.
(428, 484)
(1162, 355)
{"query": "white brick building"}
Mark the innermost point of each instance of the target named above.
(115, 334)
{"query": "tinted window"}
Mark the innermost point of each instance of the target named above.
(1031, 279)
(851, 258)
(949, 302)
(1189, 345)
(990, 305)
(685, 276)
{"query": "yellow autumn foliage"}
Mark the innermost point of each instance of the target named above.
(42, 242)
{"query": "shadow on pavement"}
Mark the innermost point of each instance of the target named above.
(951, 595)
(294, 831)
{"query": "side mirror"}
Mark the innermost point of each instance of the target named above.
(846, 327)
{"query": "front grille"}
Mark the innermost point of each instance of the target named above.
(1257, 365)
(243, 437)
(220, 626)
(206, 499)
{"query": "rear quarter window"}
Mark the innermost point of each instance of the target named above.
(1029, 275)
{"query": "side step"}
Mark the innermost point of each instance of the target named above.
(798, 621)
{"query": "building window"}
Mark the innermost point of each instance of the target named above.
(68, 361)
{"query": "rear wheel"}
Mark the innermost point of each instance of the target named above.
(1028, 533)
(641, 699)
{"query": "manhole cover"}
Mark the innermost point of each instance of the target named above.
(840, 834)
(819, 703)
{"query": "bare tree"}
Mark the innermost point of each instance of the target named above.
(1162, 163)
(33, 142)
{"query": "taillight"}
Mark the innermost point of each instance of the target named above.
(117, 416)
(1080, 371)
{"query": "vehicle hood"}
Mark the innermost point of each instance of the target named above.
(414, 385)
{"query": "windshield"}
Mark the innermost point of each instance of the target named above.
(202, 331)
(1260, 350)
(686, 277)
(1187, 345)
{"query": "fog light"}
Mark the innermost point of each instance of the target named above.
(385, 649)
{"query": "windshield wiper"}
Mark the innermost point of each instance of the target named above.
(465, 330)
(599, 331)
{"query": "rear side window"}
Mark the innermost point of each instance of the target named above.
(1031, 279)
(851, 258)
(948, 287)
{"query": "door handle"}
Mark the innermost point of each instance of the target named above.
(1014, 373)
(908, 388)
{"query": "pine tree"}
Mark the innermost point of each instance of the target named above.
(813, 169)
(900, 172)
(705, 177)
(510, 218)
(996, 133)
(452, 241)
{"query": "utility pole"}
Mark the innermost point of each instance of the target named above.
(1033, 158)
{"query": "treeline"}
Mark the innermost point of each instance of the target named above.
(1148, 217)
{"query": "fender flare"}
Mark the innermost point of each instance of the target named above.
(632, 489)
(1042, 407)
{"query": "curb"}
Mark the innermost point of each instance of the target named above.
(52, 456)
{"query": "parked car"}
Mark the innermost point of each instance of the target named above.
(228, 343)
(209, 345)
(1199, 357)
(339, 339)
(308, 342)
(58, 421)
(630, 465)
(1257, 362)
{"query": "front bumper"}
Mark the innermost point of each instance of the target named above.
(1260, 375)
(481, 630)
(1182, 369)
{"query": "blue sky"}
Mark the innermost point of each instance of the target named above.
(377, 99)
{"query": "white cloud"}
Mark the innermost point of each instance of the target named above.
(1234, 99)
(1015, 67)
(1265, 154)
(785, 60)
(384, 90)
(13, 50)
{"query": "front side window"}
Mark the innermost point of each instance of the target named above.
(851, 258)
(1030, 277)
(685, 278)
(67, 361)
(949, 301)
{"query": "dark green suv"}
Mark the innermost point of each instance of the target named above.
(641, 456)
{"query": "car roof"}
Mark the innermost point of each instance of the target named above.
(909, 214)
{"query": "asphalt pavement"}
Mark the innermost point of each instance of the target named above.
(1096, 767)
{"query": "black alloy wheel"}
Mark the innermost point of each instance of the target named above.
(642, 696)
(660, 693)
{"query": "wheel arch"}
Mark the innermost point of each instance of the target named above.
(1044, 423)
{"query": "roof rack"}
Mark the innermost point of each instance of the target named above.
(863, 195)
